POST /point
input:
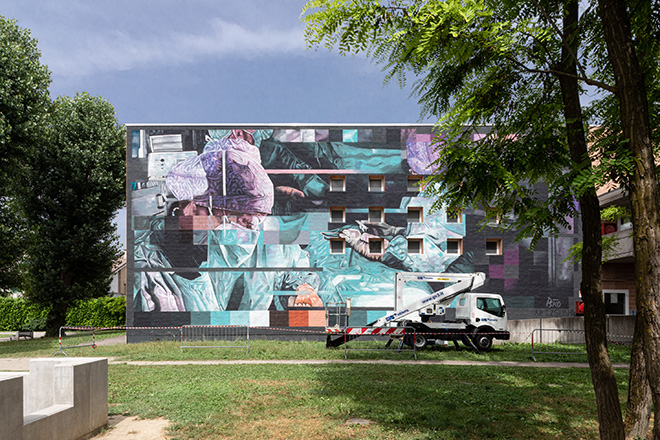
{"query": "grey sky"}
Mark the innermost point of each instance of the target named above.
(205, 61)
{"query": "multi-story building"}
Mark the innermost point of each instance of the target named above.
(263, 225)
(618, 272)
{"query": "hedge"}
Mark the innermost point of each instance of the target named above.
(18, 314)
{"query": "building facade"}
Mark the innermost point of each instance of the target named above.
(264, 225)
(618, 272)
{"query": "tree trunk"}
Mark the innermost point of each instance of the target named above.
(602, 372)
(644, 194)
(638, 408)
(56, 318)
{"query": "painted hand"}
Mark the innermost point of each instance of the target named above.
(307, 297)
(380, 229)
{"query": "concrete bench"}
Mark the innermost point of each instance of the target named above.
(58, 399)
(24, 334)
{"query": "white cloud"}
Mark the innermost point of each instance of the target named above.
(87, 53)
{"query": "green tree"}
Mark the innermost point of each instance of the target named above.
(75, 186)
(635, 80)
(519, 66)
(23, 105)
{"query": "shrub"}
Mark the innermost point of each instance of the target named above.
(98, 312)
(19, 314)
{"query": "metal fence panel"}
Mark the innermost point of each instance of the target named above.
(215, 336)
(558, 341)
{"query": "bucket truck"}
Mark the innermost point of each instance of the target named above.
(480, 317)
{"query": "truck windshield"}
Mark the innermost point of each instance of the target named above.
(490, 305)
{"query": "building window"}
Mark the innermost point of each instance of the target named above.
(376, 184)
(493, 246)
(616, 302)
(455, 246)
(337, 215)
(415, 246)
(376, 246)
(337, 246)
(337, 183)
(454, 217)
(414, 183)
(375, 215)
(415, 215)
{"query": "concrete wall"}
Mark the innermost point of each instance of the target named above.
(62, 399)
(620, 329)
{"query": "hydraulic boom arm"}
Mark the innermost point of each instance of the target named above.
(463, 282)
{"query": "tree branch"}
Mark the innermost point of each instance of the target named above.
(586, 80)
(561, 35)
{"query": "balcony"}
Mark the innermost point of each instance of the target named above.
(623, 250)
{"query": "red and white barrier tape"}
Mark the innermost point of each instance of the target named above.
(329, 330)
(376, 330)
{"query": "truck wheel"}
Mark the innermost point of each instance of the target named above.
(420, 342)
(483, 342)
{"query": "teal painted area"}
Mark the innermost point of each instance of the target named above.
(239, 317)
(318, 221)
(293, 228)
(373, 315)
(358, 318)
(350, 135)
(219, 318)
(226, 236)
(200, 318)
(135, 143)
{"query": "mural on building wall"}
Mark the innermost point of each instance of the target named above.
(265, 226)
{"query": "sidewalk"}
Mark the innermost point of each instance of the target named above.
(11, 336)
(22, 364)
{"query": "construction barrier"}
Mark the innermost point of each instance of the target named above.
(215, 336)
(397, 339)
(566, 342)
(86, 336)
(558, 341)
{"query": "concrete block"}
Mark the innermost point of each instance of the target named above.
(38, 385)
(54, 422)
(61, 398)
(11, 406)
(98, 388)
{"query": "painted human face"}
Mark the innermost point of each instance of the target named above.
(217, 218)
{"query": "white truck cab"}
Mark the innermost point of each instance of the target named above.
(482, 309)
(480, 317)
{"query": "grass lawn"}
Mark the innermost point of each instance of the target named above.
(278, 401)
(400, 401)
(272, 349)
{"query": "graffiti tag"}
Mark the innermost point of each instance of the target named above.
(553, 303)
